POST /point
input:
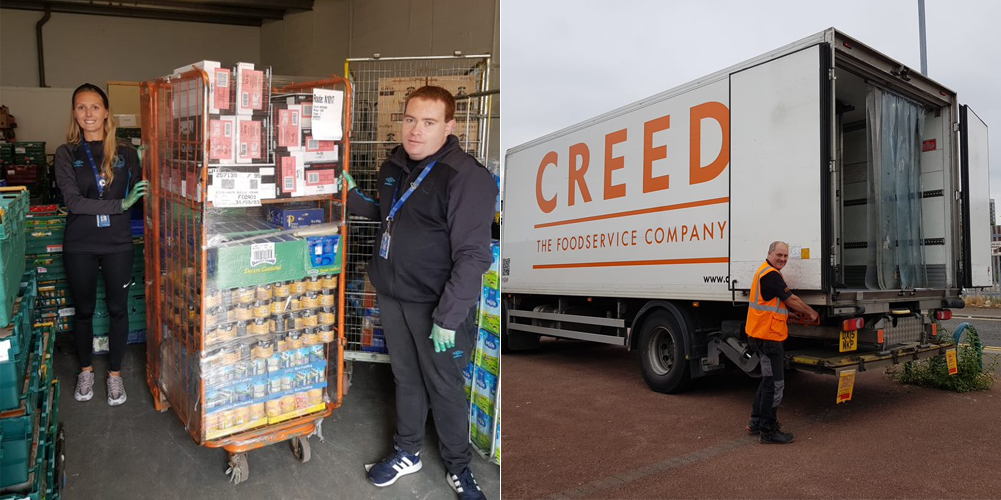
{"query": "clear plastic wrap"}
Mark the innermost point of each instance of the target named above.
(245, 288)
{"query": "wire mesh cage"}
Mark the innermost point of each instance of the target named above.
(381, 86)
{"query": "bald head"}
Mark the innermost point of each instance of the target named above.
(778, 254)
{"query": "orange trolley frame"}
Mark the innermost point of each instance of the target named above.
(159, 287)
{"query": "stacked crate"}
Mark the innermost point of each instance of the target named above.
(26, 166)
(483, 373)
(44, 233)
(13, 210)
(30, 439)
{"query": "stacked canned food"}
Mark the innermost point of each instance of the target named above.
(265, 355)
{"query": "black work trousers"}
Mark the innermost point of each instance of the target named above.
(81, 273)
(772, 386)
(427, 379)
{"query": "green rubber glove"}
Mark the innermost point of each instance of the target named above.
(443, 339)
(137, 192)
(349, 181)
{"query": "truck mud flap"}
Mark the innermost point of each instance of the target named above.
(820, 361)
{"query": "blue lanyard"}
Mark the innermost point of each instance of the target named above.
(93, 165)
(413, 187)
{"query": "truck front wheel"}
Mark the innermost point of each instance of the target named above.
(662, 354)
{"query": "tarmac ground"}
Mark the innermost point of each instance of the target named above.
(579, 422)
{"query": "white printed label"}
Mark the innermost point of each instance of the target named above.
(328, 108)
(4, 350)
(67, 311)
(262, 253)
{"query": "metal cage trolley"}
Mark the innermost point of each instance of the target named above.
(244, 254)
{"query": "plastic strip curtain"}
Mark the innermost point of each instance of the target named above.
(896, 251)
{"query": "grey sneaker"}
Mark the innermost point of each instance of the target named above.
(84, 386)
(116, 390)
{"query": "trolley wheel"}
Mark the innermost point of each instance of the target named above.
(300, 448)
(239, 469)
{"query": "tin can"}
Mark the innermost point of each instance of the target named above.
(262, 309)
(294, 303)
(330, 282)
(294, 340)
(211, 335)
(226, 331)
(231, 357)
(327, 299)
(264, 293)
(282, 290)
(311, 300)
(327, 316)
(310, 336)
(213, 299)
(225, 299)
(245, 295)
(244, 312)
(263, 349)
(259, 327)
(241, 370)
(298, 287)
(325, 334)
(309, 318)
(277, 306)
(315, 284)
(241, 329)
(245, 352)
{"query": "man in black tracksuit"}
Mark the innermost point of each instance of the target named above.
(436, 204)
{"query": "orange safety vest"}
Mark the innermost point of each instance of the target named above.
(766, 319)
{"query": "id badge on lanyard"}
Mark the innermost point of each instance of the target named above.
(387, 235)
(103, 220)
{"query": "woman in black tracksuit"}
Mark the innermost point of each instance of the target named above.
(100, 179)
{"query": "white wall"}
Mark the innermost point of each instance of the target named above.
(42, 114)
(98, 49)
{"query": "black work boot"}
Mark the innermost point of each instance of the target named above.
(775, 437)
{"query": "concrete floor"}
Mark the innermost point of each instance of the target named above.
(131, 451)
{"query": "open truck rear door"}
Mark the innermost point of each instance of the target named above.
(780, 119)
(976, 200)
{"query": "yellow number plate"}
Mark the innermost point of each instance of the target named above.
(849, 341)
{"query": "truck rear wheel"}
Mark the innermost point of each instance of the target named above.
(662, 354)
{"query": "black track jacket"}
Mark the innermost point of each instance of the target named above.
(440, 238)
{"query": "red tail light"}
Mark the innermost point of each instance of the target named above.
(852, 324)
(943, 314)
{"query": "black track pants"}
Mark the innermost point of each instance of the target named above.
(81, 273)
(427, 379)
(772, 386)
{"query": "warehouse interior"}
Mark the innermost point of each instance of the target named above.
(137, 450)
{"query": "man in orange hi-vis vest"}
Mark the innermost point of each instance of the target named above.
(767, 313)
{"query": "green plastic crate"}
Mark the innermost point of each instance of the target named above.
(30, 468)
(13, 209)
(15, 342)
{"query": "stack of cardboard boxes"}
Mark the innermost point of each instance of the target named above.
(391, 107)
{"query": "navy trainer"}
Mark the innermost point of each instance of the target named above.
(465, 485)
(400, 463)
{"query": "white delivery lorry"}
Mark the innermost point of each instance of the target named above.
(644, 226)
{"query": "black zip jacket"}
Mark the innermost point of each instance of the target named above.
(440, 238)
(75, 178)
